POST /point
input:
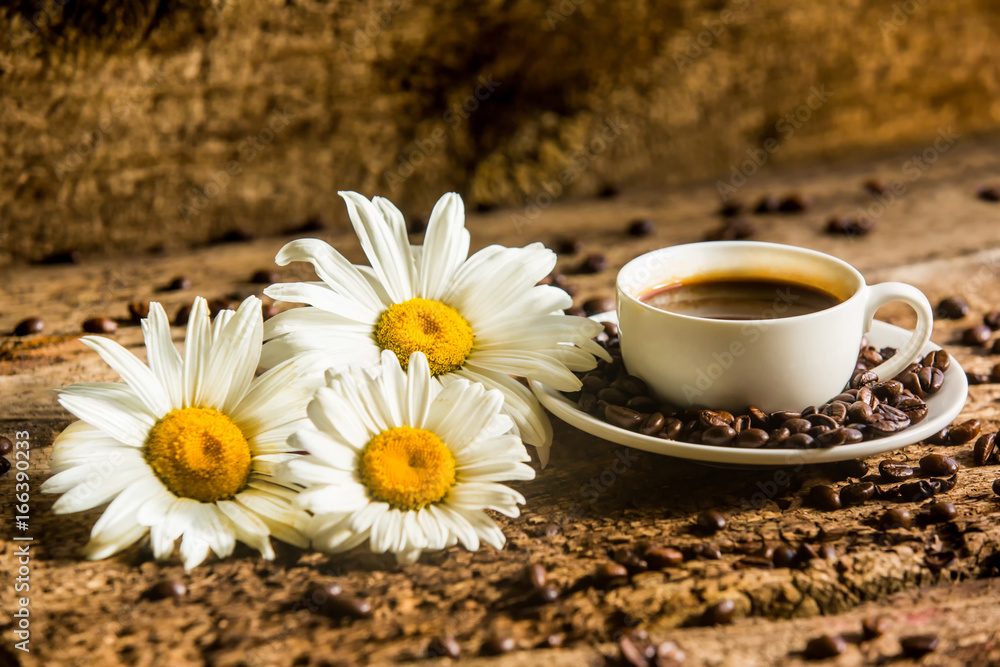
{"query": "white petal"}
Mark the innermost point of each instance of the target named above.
(117, 528)
(326, 299)
(197, 352)
(249, 528)
(420, 390)
(446, 246)
(163, 358)
(460, 413)
(332, 268)
(277, 397)
(235, 354)
(385, 244)
(135, 373)
(111, 407)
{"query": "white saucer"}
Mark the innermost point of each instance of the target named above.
(943, 407)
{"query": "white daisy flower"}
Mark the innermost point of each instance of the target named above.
(184, 448)
(482, 318)
(406, 462)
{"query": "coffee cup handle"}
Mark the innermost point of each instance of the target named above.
(883, 293)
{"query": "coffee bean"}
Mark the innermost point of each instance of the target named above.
(850, 225)
(825, 497)
(778, 436)
(614, 396)
(732, 229)
(31, 325)
(795, 203)
(166, 589)
(137, 311)
(610, 574)
(758, 562)
(876, 186)
(100, 325)
(711, 521)
(264, 277)
(916, 410)
(976, 335)
(593, 264)
(994, 375)
(800, 441)
(939, 359)
(915, 492)
(827, 552)
(992, 319)
(659, 558)
(942, 437)
(916, 646)
(718, 436)
(498, 645)
(653, 424)
(6, 446)
(4, 466)
(990, 193)
(936, 464)
(943, 484)
(942, 511)
(444, 646)
(598, 305)
(622, 417)
(346, 606)
(805, 553)
(855, 468)
(548, 530)
(767, 204)
(569, 246)
(552, 641)
(751, 438)
(985, 450)
(857, 493)
(668, 654)
(710, 551)
(895, 471)
(839, 436)
(825, 646)
(783, 557)
(795, 426)
(641, 227)
(875, 626)
(593, 383)
(536, 575)
(865, 378)
(631, 385)
(977, 378)
(630, 560)
(720, 613)
(996, 487)
(951, 308)
(895, 518)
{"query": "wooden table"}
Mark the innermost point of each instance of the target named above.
(937, 235)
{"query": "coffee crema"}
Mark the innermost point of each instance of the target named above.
(739, 298)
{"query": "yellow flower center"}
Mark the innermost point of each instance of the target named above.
(426, 326)
(407, 467)
(199, 453)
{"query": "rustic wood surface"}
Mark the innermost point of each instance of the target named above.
(241, 611)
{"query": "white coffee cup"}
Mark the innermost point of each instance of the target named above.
(773, 363)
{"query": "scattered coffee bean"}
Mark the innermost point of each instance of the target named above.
(784, 556)
(857, 493)
(943, 485)
(916, 646)
(631, 655)
(630, 559)
(992, 319)
(182, 316)
(965, 432)
(536, 575)
(709, 551)
(568, 246)
(6, 446)
(875, 626)
(552, 641)
(825, 646)
(939, 359)
(168, 588)
(951, 308)
(69, 256)
(608, 191)
(641, 227)
(936, 464)
(138, 311)
(994, 376)
(100, 325)
(942, 511)
(178, 283)
(876, 186)
(593, 264)
(977, 378)
(985, 451)
(659, 558)
(850, 225)
(610, 574)
(265, 277)
(758, 562)
(767, 204)
(346, 606)
(976, 335)
(711, 521)
(445, 646)
(895, 471)
(498, 645)
(795, 203)
(825, 497)
(996, 487)
(990, 193)
(895, 518)
(720, 613)
(4, 466)
(31, 325)
(732, 229)
(548, 530)
(668, 654)
(234, 235)
(915, 492)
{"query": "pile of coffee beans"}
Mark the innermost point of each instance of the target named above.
(829, 646)
(867, 410)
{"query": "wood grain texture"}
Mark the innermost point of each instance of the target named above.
(242, 611)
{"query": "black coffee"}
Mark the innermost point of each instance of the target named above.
(739, 299)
